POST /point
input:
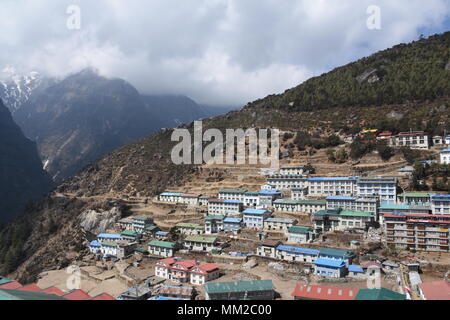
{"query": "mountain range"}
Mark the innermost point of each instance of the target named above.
(78, 119)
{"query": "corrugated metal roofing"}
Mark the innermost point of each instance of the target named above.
(242, 286)
(298, 250)
(329, 263)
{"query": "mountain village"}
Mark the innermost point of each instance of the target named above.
(295, 235)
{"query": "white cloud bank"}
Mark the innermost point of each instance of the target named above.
(215, 51)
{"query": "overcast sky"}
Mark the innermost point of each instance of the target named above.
(224, 52)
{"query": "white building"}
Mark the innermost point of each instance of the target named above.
(232, 194)
(225, 207)
(296, 254)
(268, 249)
(279, 224)
(353, 204)
(200, 243)
(299, 193)
(254, 218)
(413, 139)
(267, 197)
(214, 224)
(162, 249)
(332, 186)
(251, 199)
(174, 197)
(299, 234)
(190, 199)
(190, 228)
(298, 170)
(445, 156)
(287, 182)
(440, 204)
(299, 206)
(385, 188)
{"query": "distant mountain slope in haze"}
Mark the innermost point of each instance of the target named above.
(21, 175)
(82, 118)
(417, 71)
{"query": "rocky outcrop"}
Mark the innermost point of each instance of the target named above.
(98, 222)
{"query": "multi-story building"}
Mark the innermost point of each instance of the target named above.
(299, 206)
(278, 224)
(170, 197)
(162, 249)
(413, 139)
(190, 228)
(297, 170)
(232, 224)
(385, 188)
(353, 204)
(200, 243)
(190, 199)
(225, 207)
(440, 204)
(140, 223)
(419, 232)
(296, 254)
(251, 199)
(390, 209)
(340, 220)
(214, 224)
(299, 193)
(268, 249)
(232, 194)
(267, 197)
(331, 186)
(287, 182)
(254, 218)
(329, 268)
(415, 198)
(445, 156)
(338, 255)
(299, 234)
(186, 271)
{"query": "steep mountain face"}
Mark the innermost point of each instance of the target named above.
(81, 118)
(21, 176)
(16, 89)
(144, 168)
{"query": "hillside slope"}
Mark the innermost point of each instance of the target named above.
(21, 175)
(144, 168)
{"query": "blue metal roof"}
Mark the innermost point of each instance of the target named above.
(270, 192)
(340, 198)
(161, 233)
(330, 263)
(95, 243)
(232, 201)
(171, 194)
(255, 211)
(109, 235)
(298, 250)
(445, 151)
(232, 220)
(440, 197)
(333, 179)
(355, 268)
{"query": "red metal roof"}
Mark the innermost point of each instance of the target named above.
(31, 288)
(385, 134)
(103, 296)
(77, 295)
(205, 268)
(436, 290)
(315, 292)
(11, 285)
(55, 291)
(416, 133)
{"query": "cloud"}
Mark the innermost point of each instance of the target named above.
(215, 51)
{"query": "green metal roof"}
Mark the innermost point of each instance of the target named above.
(379, 294)
(215, 217)
(299, 229)
(164, 244)
(130, 233)
(190, 225)
(415, 194)
(395, 206)
(4, 280)
(242, 286)
(109, 243)
(200, 239)
(144, 218)
(26, 295)
(336, 253)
